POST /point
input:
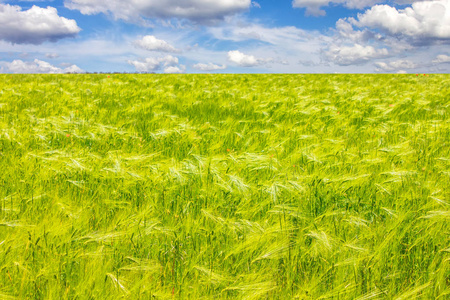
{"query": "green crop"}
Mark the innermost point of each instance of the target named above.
(224, 187)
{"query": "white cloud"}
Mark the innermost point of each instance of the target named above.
(313, 7)
(154, 63)
(174, 69)
(36, 66)
(283, 46)
(151, 43)
(398, 65)
(209, 67)
(388, 31)
(245, 60)
(346, 31)
(308, 63)
(52, 55)
(442, 58)
(256, 4)
(73, 69)
(129, 10)
(35, 25)
(423, 20)
(273, 35)
(356, 54)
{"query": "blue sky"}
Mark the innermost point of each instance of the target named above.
(225, 36)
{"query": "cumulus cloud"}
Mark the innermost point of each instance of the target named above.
(36, 66)
(346, 31)
(154, 63)
(73, 69)
(151, 43)
(209, 67)
(384, 27)
(174, 69)
(245, 60)
(35, 25)
(423, 20)
(398, 65)
(353, 55)
(441, 59)
(194, 10)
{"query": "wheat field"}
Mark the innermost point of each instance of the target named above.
(128, 186)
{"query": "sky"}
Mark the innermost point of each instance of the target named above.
(225, 36)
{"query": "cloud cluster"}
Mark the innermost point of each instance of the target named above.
(314, 7)
(386, 31)
(151, 43)
(194, 10)
(281, 46)
(423, 20)
(36, 66)
(359, 43)
(167, 63)
(35, 25)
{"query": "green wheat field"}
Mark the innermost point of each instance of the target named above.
(128, 186)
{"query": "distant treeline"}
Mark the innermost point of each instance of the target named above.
(110, 73)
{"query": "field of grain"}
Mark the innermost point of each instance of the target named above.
(224, 186)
